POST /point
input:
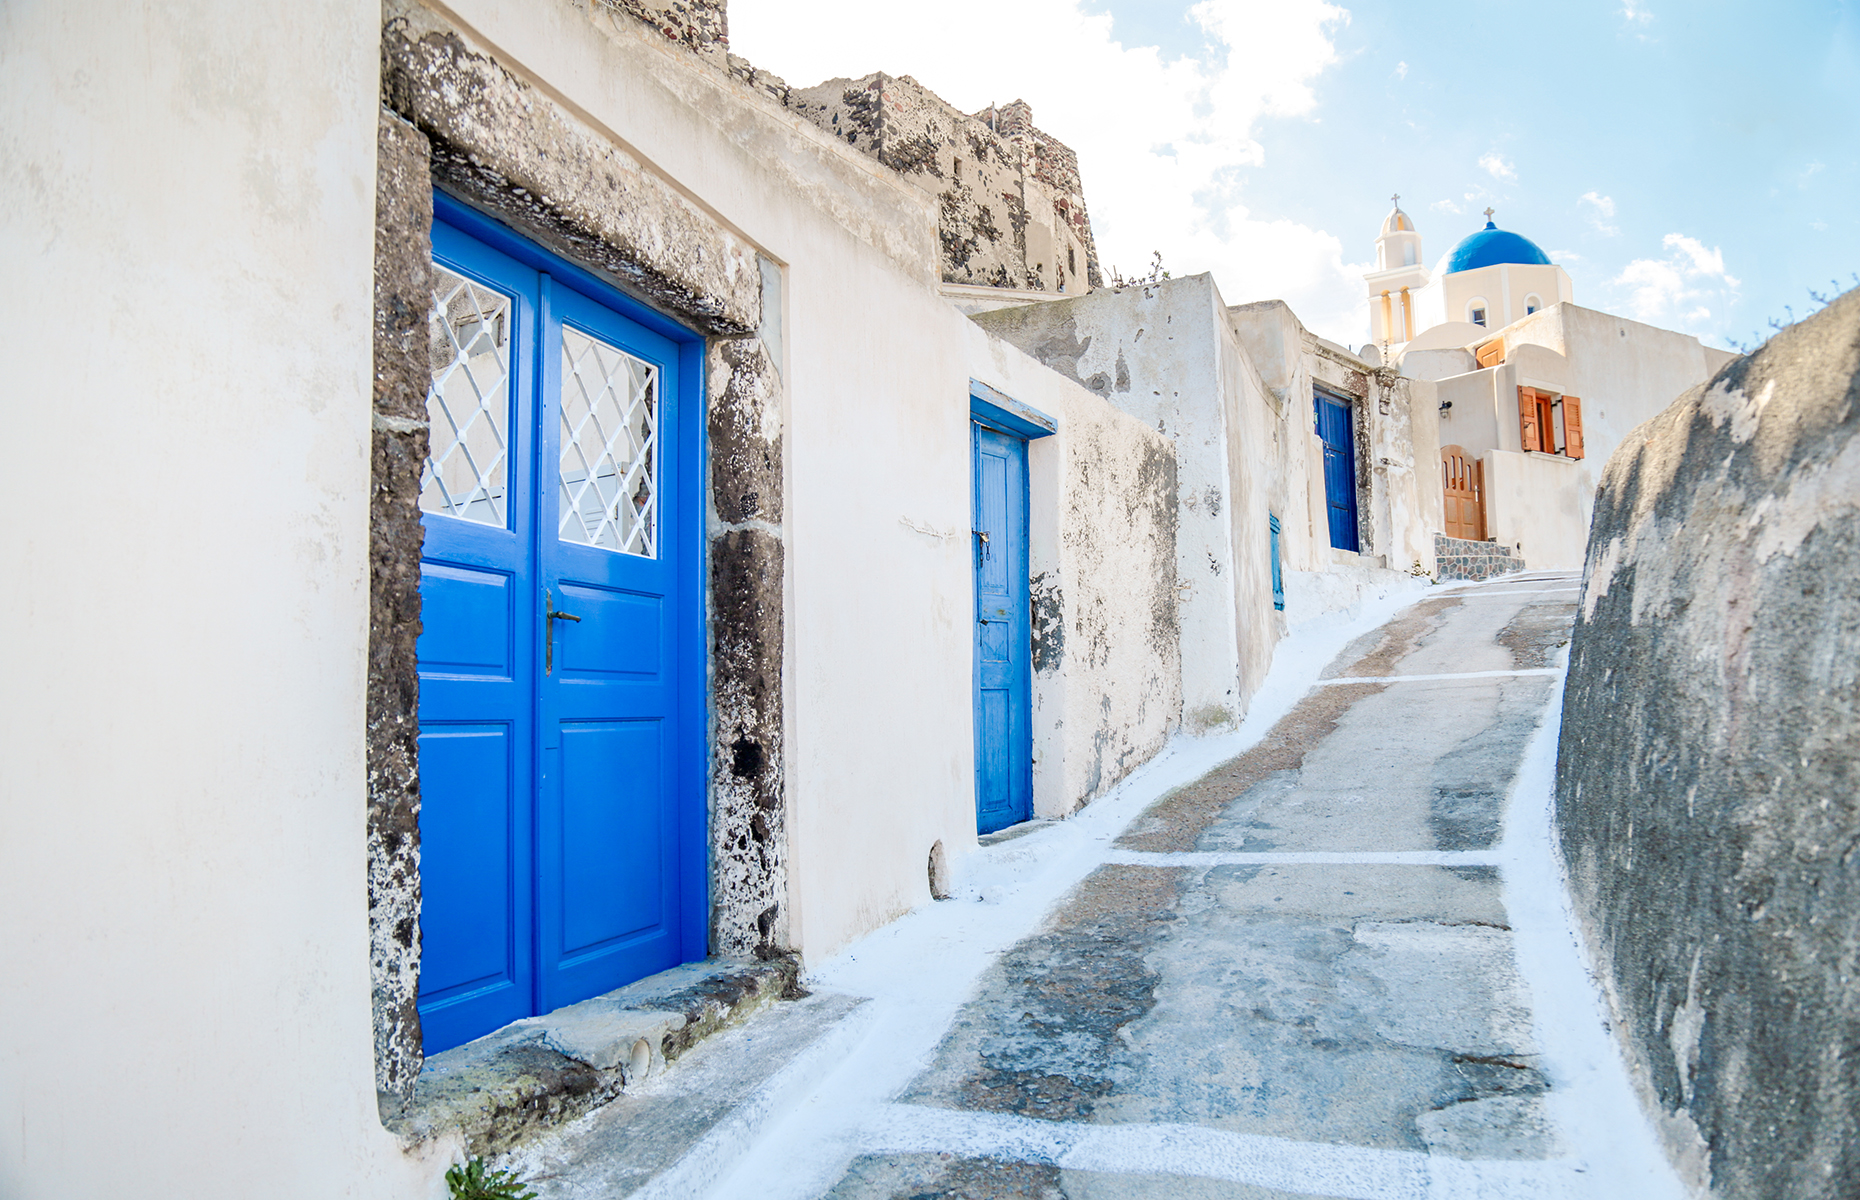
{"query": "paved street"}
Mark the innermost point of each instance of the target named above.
(1336, 964)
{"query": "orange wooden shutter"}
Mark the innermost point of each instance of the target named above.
(1572, 427)
(1479, 500)
(1527, 418)
(1492, 353)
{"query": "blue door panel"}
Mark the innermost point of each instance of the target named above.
(620, 634)
(471, 844)
(613, 874)
(561, 759)
(468, 615)
(1003, 641)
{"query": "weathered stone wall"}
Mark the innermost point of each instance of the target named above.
(700, 26)
(1012, 205)
(1708, 785)
(457, 119)
(1462, 558)
(402, 373)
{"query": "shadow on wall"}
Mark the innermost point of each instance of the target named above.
(1708, 782)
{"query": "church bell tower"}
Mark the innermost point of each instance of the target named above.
(1397, 278)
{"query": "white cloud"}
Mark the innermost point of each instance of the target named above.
(1634, 14)
(1446, 206)
(1677, 288)
(1496, 166)
(1808, 174)
(1401, 70)
(1704, 262)
(1601, 213)
(1161, 142)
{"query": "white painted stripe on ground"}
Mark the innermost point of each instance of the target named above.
(1266, 858)
(1531, 592)
(1436, 678)
(1196, 1151)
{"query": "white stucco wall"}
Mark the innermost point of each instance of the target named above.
(1107, 688)
(1540, 504)
(1504, 287)
(1623, 371)
(1154, 353)
(189, 222)
(186, 215)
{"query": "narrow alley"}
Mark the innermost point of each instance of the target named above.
(1336, 964)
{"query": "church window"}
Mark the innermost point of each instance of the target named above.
(1475, 312)
(1532, 303)
(1407, 255)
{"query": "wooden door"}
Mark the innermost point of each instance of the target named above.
(1003, 636)
(1463, 480)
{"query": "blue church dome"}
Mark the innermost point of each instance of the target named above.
(1491, 246)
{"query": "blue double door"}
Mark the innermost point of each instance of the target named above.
(1336, 431)
(560, 654)
(1003, 633)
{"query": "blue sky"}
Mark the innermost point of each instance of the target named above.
(1695, 165)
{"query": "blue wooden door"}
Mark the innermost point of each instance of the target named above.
(558, 648)
(1003, 639)
(606, 857)
(1334, 429)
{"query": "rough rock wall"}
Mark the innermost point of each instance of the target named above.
(402, 370)
(700, 26)
(1708, 782)
(455, 118)
(1012, 206)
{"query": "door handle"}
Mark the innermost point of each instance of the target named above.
(550, 616)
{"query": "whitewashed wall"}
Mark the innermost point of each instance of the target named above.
(1107, 688)
(186, 219)
(188, 223)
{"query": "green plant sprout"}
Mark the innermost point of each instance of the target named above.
(470, 1181)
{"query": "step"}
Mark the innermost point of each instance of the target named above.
(535, 1075)
(675, 1137)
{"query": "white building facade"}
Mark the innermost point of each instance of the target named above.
(1534, 392)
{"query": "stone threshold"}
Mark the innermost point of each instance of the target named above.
(536, 1074)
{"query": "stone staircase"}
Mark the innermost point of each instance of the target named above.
(1460, 558)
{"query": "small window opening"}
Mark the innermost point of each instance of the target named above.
(1407, 255)
(1476, 314)
(1532, 304)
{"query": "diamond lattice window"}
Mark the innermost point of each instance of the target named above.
(610, 447)
(468, 405)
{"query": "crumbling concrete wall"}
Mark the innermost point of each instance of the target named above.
(1708, 783)
(1012, 207)
(456, 118)
(1102, 520)
(1155, 352)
